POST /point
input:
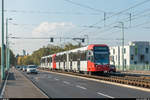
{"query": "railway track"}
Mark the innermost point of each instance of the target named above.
(140, 81)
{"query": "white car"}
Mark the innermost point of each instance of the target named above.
(32, 69)
(24, 68)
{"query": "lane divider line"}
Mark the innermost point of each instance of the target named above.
(107, 82)
(56, 79)
(104, 95)
(66, 82)
(81, 87)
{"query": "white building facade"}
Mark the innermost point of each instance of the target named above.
(136, 53)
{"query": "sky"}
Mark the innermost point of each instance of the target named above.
(75, 19)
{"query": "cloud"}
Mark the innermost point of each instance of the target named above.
(52, 29)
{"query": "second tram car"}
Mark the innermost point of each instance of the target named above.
(92, 58)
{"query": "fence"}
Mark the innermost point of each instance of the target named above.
(134, 68)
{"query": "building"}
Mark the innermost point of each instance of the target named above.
(136, 53)
(24, 53)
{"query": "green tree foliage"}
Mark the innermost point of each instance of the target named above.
(36, 55)
(12, 57)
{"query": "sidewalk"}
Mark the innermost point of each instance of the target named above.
(18, 86)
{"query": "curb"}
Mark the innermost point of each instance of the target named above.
(3, 85)
(35, 85)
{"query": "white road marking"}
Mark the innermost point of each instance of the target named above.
(66, 82)
(56, 79)
(81, 87)
(104, 95)
(49, 77)
(107, 82)
(37, 78)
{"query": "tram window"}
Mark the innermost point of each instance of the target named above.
(48, 60)
(92, 59)
(64, 57)
(83, 56)
(89, 53)
(74, 56)
(56, 58)
(71, 57)
(51, 59)
(61, 58)
(88, 58)
(100, 48)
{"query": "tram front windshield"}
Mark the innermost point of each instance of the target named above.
(101, 55)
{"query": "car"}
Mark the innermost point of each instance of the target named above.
(32, 69)
(24, 68)
(21, 67)
(18, 67)
(112, 68)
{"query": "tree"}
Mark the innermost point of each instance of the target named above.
(36, 55)
(12, 57)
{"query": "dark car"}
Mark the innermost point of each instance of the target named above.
(18, 67)
(21, 67)
(112, 68)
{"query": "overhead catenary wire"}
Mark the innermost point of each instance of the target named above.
(145, 0)
(50, 12)
(118, 13)
(85, 6)
(135, 26)
(134, 17)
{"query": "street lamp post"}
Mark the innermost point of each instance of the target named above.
(7, 45)
(122, 26)
(2, 42)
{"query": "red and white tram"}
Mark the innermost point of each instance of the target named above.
(92, 58)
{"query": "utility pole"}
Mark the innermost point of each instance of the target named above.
(8, 57)
(7, 45)
(122, 26)
(87, 39)
(2, 42)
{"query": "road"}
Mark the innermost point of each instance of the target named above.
(61, 86)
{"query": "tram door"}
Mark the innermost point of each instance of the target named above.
(59, 65)
(64, 65)
(71, 65)
(78, 64)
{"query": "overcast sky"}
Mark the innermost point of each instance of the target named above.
(76, 18)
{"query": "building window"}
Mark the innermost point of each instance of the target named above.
(147, 62)
(113, 51)
(124, 50)
(136, 50)
(135, 62)
(142, 58)
(146, 50)
(132, 57)
(125, 62)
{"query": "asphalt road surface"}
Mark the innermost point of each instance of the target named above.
(61, 86)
